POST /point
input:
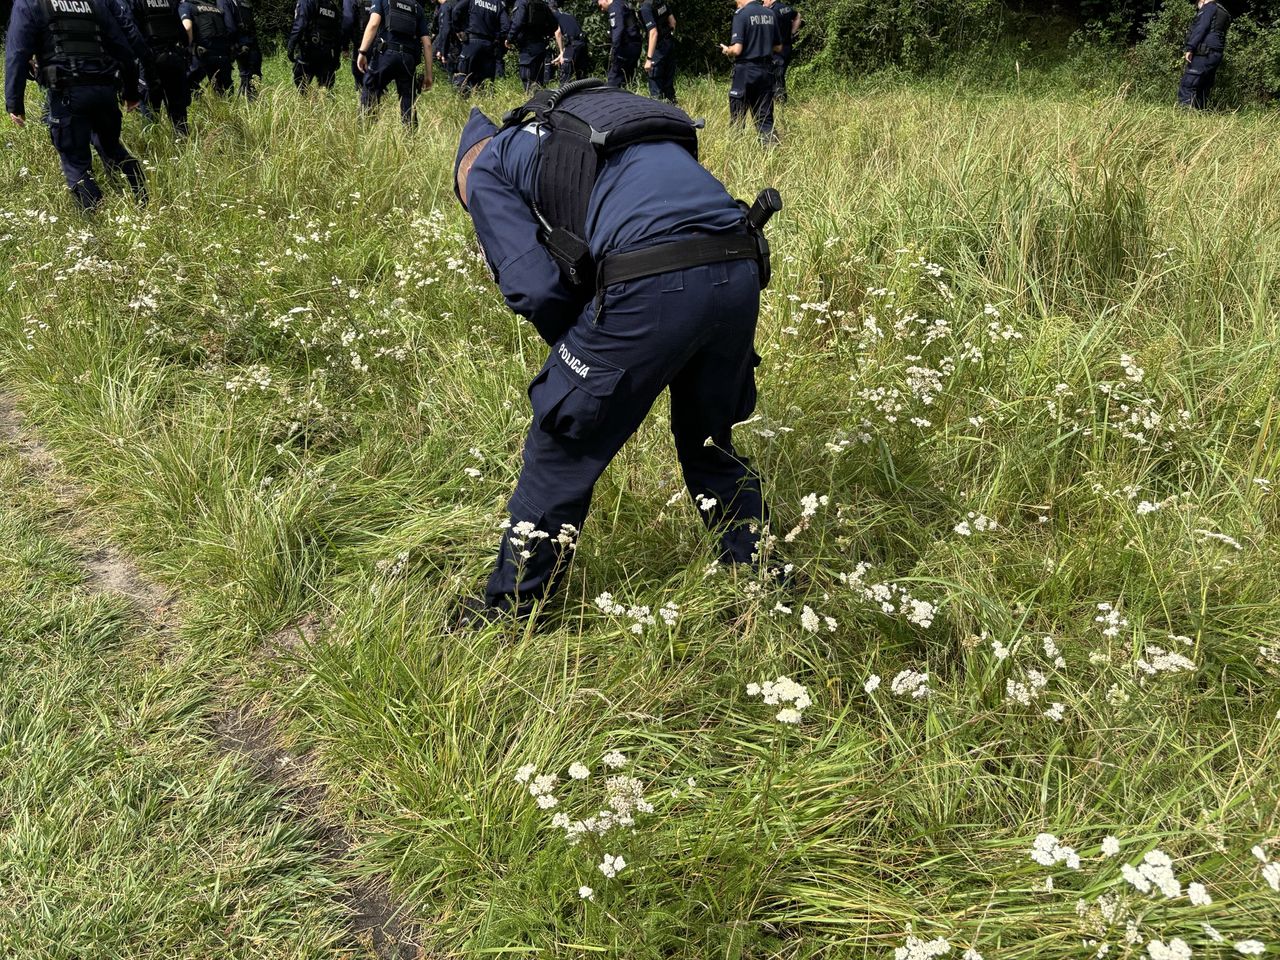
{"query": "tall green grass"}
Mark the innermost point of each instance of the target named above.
(276, 377)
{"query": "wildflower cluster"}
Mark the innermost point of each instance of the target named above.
(783, 692)
(891, 599)
(640, 616)
(622, 799)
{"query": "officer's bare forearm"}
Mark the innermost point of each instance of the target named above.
(653, 42)
(371, 31)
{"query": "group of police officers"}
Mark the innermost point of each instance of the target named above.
(154, 54)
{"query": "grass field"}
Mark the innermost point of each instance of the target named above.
(1019, 424)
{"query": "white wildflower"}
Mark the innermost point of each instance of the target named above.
(611, 866)
(1198, 895)
(1251, 948)
(911, 683)
(525, 772)
(1110, 846)
(586, 893)
(579, 771)
(614, 760)
(872, 684)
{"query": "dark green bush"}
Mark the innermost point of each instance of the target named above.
(915, 34)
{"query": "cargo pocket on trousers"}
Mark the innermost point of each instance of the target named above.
(571, 394)
(747, 399)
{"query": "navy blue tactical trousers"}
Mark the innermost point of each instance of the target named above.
(249, 64)
(390, 67)
(691, 330)
(476, 64)
(318, 64)
(662, 77)
(622, 67)
(532, 58)
(576, 63)
(751, 88)
(1197, 80)
(83, 117)
(165, 82)
(216, 68)
(781, 62)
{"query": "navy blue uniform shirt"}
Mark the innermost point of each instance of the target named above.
(623, 31)
(1202, 32)
(27, 26)
(655, 15)
(645, 194)
(570, 29)
(786, 14)
(755, 26)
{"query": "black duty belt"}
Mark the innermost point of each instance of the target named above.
(762, 60)
(677, 255)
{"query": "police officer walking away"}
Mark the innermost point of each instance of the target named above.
(79, 49)
(315, 42)
(679, 279)
(532, 27)
(477, 25)
(248, 54)
(660, 56)
(789, 24)
(624, 42)
(396, 38)
(752, 47)
(355, 17)
(211, 29)
(1206, 41)
(165, 74)
(574, 58)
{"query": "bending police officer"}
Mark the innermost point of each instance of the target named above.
(80, 52)
(396, 38)
(660, 58)
(574, 58)
(624, 43)
(315, 42)
(1206, 41)
(683, 320)
(752, 47)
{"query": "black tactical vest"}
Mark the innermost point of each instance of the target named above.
(210, 27)
(582, 123)
(248, 18)
(326, 25)
(158, 21)
(73, 49)
(402, 21)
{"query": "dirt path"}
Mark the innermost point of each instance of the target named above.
(251, 735)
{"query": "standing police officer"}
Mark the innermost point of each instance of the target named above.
(448, 44)
(574, 58)
(79, 52)
(355, 17)
(789, 24)
(682, 320)
(248, 54)
(397, 37)
(624, 42)
(211, 30)
(660, 59)
(165, 72)
(752, 47)
(477, 25)
(532, 27)
(315, 42)
(1206, 41)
